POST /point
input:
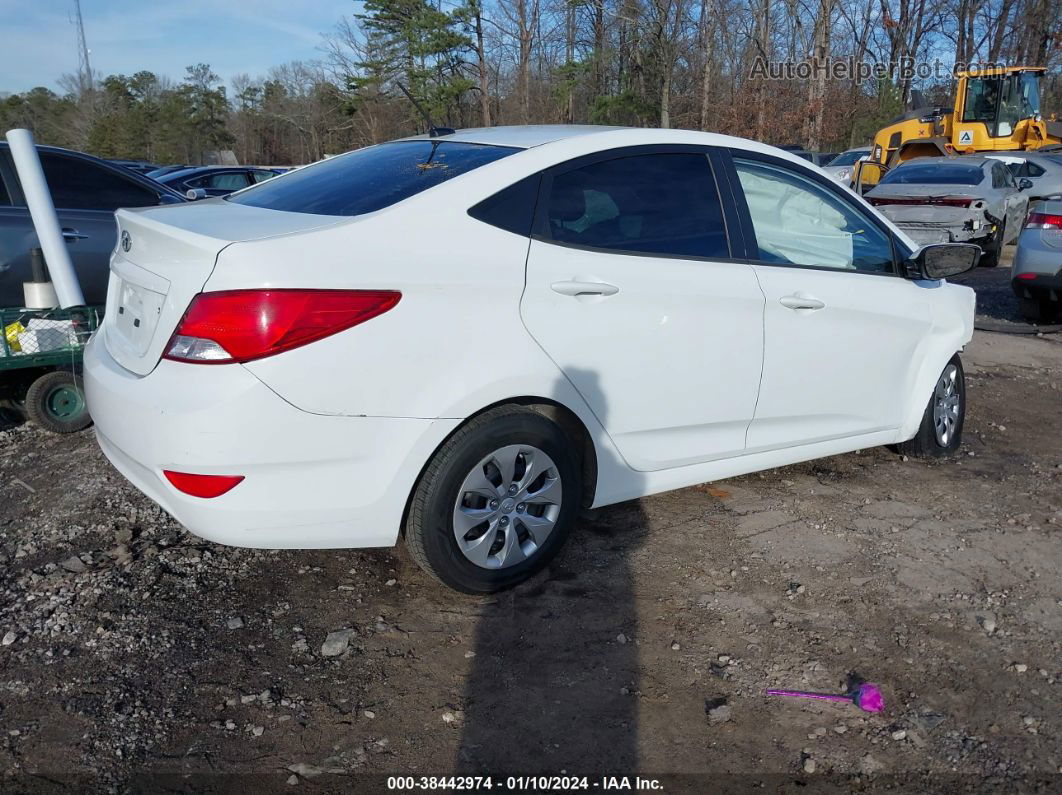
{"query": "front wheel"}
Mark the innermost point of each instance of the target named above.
(940, 432)
(496, 501)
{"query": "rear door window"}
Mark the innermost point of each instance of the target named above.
(370, 179)
(78, 184)
(664, 204)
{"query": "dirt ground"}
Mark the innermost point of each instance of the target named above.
(136, 657)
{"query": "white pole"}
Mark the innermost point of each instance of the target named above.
(45, 221)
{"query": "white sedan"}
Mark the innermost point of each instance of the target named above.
(465, 339)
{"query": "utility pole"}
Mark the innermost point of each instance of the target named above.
(84, 70)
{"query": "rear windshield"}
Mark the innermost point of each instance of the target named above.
(935, 173)
(370, 179)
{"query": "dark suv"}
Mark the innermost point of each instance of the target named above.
(86, 192)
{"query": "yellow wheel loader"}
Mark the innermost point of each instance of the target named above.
(996, 109)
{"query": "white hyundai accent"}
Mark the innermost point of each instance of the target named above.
(466, 339)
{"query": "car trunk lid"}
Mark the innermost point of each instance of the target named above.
(164, 257)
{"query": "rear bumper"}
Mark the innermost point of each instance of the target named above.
(942, 233)
(1038, 284)
(311, 480)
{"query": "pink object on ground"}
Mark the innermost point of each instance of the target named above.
(868, 697)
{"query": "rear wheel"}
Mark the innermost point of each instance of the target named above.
(940, 432)
(990, 258)
(1035, 308)
(496, 502)
(56, 402)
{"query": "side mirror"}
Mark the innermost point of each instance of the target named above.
(194, 194)
(1024, 183)
(941, 260)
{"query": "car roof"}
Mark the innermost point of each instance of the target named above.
(521, 137)
(61, 150)
(1028, 154)
(587, 137)
(966, 160)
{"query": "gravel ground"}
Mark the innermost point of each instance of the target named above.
(136, 657)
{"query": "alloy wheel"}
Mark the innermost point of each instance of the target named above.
(947, 402)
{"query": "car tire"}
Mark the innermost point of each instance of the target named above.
(990, 258)
(1035, 309)
(56, 402)
(940, 432)
(469, 522)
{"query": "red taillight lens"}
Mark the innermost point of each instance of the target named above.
(1043, 221)
(242, 325)
(206, 486)
(928, 200)
(1026, 277)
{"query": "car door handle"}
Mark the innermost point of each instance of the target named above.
(801, 302)
(73, 234)
(576, 288)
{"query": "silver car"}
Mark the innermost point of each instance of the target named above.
(842, 166)
(1044, 170)
(955, 200)
(1037, 272)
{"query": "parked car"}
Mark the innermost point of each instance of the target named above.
(468, 338)
(162, 170)
(798, 151)
(842, 167)
(955, 199)
(86, 191)
(1036, 275)
(1043, 170)
(205, 182)
(139, 166)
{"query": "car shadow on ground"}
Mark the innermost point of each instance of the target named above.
(536, 702)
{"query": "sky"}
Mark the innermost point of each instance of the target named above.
(38, 40)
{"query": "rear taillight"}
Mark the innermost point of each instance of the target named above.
(1043, 221)
(928, 200)
(205, 486)
(242, 325)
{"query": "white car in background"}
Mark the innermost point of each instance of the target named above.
(842, 167)
(468, 338)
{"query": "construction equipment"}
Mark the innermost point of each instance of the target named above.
(995, 109)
